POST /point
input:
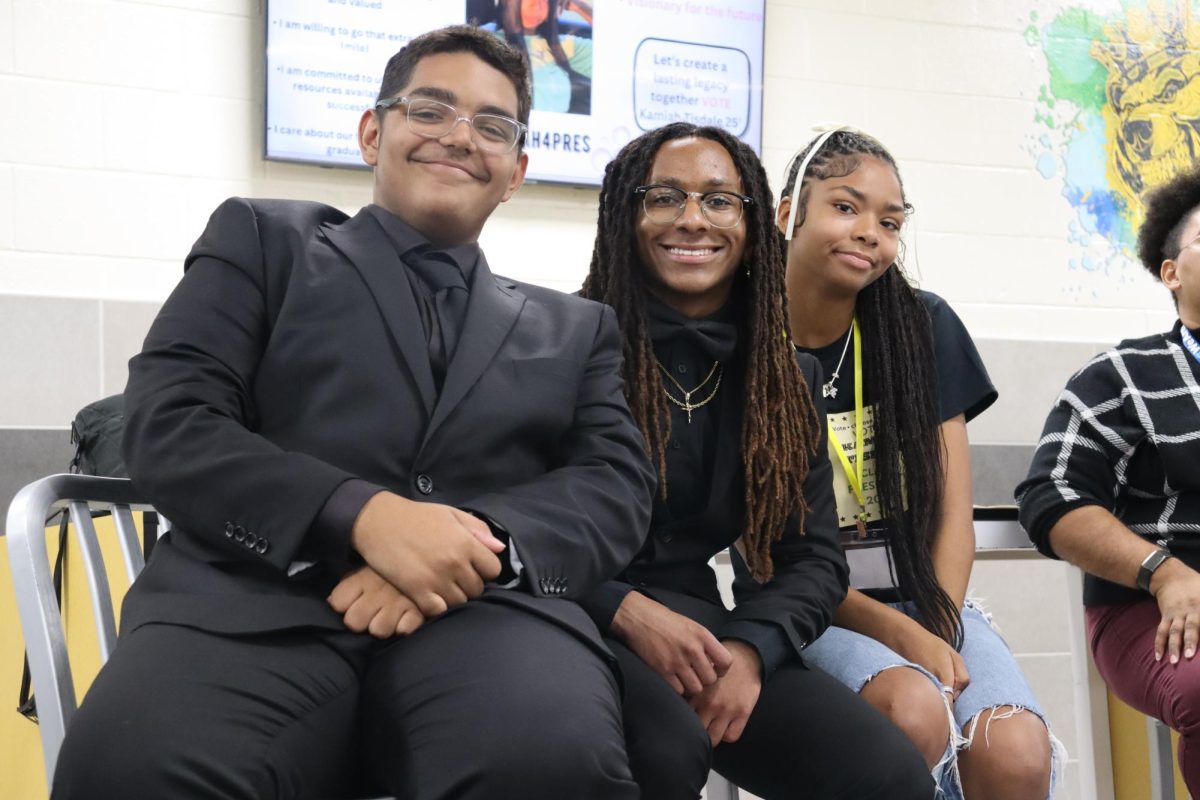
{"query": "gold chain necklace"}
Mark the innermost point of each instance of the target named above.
(686, 404)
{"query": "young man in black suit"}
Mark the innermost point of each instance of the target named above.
(388, 471)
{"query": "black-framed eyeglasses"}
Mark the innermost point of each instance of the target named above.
(1194, 240)
(432, 119)
(665, 204)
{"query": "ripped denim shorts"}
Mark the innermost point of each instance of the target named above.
(996, 682)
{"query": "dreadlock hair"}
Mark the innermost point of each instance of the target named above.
(1168, 208)
(780, 428)
(898, 365)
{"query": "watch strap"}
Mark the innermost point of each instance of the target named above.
(1149, 564)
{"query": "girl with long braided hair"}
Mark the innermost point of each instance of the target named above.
(686, 254)
(903, 378)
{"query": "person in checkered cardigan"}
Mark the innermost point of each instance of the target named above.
(1114, 488)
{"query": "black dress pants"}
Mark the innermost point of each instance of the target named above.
(487, 701)
(808, 737)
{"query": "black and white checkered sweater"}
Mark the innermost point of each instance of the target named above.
(1124, 434)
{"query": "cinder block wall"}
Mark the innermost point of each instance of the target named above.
(126, 122)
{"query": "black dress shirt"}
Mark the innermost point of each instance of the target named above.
(330, 533)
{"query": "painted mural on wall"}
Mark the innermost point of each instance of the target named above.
(1118, 114)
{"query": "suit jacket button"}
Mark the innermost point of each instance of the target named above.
(261, 547)
(228, 530)
(239, 533)
(251, 540)
(424, 484)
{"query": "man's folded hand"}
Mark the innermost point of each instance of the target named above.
(433, 554)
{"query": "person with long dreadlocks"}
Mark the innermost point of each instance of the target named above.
(903, 379)
(686, 254)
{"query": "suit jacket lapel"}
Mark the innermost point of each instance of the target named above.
(491, 313)
(363, 242)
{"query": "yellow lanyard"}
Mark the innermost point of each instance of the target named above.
(854, 473)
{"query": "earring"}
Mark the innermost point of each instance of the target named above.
(747, 270)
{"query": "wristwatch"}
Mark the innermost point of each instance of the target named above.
(1149, 564)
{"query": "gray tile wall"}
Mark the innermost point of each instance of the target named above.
(996, 469)
(123, 327)
(1028, 376)
(58, 355)
(51, 352)
(61, 354)
(29, 454)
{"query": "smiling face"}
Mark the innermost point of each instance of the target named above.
(446, 188)
(689, 264)
(1182, 274)
(850, 233)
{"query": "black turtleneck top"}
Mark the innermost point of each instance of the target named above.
(703, 512)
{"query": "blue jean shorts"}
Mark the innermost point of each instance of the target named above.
(996, 681)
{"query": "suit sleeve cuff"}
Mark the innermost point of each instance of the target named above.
(510, 563)
(601, 603)
(329, 536)
(772, 645)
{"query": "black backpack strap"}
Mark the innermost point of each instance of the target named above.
(27, 703)
(149, 532)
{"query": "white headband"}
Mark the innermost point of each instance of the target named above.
(800, 173)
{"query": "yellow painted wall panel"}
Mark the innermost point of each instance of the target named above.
(1131, 753)
(23, 776)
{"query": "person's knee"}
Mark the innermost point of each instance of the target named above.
(672, 761)
(89, 766)
(1009, 755)
(909, 780)
(1183, 700)
(557, 760)
(894, 774)
(101, 761)
(915, 706)
(139, 753)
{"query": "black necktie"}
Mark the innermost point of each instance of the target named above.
(443, 305)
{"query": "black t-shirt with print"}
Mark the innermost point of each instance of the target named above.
(963, 388)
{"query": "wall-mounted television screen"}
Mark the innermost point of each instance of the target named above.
(603, 71)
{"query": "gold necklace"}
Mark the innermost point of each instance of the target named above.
(686, 404)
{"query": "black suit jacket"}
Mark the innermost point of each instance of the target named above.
(291, 358)
(811, 576)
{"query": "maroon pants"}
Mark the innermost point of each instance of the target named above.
(1122, 640)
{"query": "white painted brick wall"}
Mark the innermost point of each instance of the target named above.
(127, 121)
(6, 208)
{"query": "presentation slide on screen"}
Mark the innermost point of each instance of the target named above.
(604, 71)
